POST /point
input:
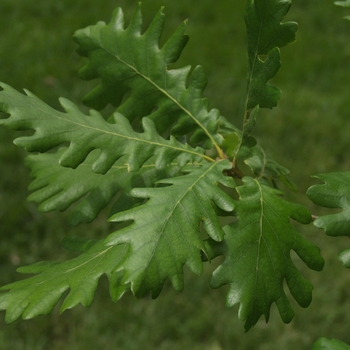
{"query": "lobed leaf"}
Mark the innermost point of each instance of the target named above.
(39, 294)
(327, 344)
(334, 193)
(344, 3)
(265, 35)
(260, 165)
(257, 250)
(57, 188)
(135, 76)
(344, 257)
(165, 233)
(87, 133)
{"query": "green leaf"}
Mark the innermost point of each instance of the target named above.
(266, 34)
(136, 78)
(250, 122)
(334, 193)
(257, 250)
(39, 294)
(264, 166)
(165, 233)
(57, 188)
(326, 344)
(78, 244)
(260, 165)
(231, 141)
(86, 133)
(344, 257)
(344, 3)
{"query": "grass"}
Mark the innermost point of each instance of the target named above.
(307, 132)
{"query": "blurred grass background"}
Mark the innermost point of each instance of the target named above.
(308, 132)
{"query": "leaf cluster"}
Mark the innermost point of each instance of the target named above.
(187, 185)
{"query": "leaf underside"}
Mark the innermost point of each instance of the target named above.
(56, 188)
(334, 193)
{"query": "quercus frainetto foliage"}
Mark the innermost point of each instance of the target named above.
(171, 168)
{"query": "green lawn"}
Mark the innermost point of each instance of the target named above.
(308, 132)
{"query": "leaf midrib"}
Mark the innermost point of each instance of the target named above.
(169, 96)
(121, 135)
(171, 213)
